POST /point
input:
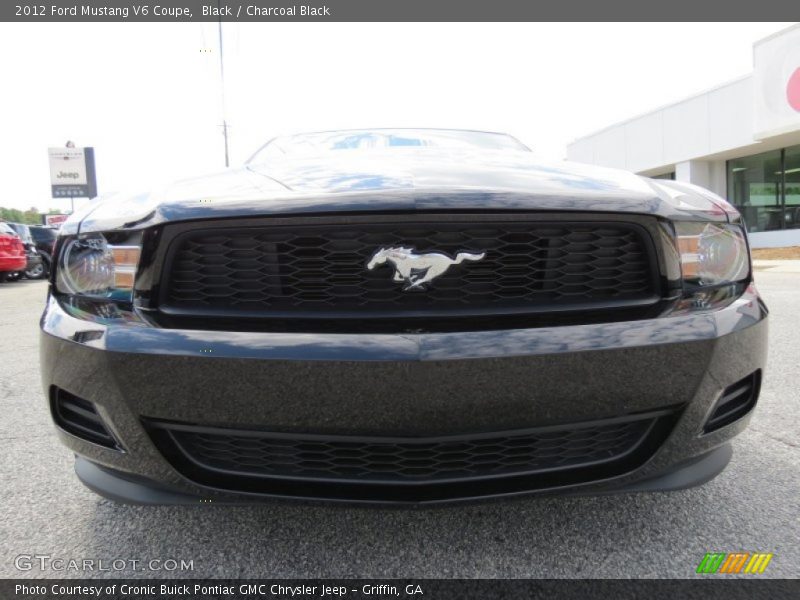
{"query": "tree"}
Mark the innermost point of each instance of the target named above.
(14, 215)
(32, 216)
(11, 214)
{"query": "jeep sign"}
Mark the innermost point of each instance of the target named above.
(72, 172)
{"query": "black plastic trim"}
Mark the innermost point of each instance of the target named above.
(736, 401)
(154, 303)
(662, 424)
(80, 418)
(129, 489)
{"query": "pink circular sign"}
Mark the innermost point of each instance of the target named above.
(793, 90)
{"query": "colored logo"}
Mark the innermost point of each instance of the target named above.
(793, 90)
(734, 562)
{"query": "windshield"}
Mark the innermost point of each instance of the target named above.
(309, 144)
(43, 234)
(22, 231)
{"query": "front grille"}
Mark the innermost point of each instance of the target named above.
(265, 461)
(318, 269)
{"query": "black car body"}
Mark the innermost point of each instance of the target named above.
(543, 328)
(44, 239)
(34, 267)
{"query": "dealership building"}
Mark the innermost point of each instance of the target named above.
(740, 139)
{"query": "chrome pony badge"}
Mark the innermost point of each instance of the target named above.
(416, 270)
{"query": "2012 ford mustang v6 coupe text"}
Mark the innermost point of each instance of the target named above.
(401, 316)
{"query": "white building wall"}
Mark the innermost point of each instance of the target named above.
(695, 137)
(776, 60)
(711, 123)
(581, 150)
(686, 129)
(730, 116)
(644, 145)
(718, 177)
(693, 171)
(610, 148)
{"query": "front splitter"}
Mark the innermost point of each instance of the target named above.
(128, 490)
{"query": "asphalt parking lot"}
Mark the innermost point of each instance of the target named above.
(753, 506)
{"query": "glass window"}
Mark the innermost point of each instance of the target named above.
(22, 231)
(792, 189)
(754, 188)
(313, 144)
(43, 234)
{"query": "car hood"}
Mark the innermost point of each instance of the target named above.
(398, 180)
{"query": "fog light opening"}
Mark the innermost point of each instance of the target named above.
(736, 401)
(80, 418)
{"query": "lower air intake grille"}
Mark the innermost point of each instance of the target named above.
(247, 460)
(80, 418)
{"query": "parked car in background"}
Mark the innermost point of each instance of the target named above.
(12, 252)
(34, 268)
(44, 237)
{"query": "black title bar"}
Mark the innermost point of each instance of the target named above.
(700, 587)
(398, 10)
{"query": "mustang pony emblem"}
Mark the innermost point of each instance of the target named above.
(415, 270)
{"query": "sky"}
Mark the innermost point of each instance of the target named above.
(148, 97)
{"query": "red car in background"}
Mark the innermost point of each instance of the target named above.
(12, 252)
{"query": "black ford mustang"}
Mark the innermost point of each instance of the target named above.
(402, 316)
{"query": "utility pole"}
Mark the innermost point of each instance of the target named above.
(71, 144)
(222, 86)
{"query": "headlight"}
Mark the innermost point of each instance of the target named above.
(91, 266)
(715, 262)
(712, 254)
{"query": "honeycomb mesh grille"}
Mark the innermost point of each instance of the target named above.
(408, 459)
(322, 268)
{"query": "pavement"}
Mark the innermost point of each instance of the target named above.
(777, 266)
(752, 506)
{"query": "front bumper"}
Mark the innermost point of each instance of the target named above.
(410, 386)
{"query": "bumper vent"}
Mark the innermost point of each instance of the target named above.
(411, 469)
(736, 401)
(80, 418)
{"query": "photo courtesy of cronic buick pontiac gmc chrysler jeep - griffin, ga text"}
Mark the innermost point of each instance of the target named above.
(406, 317)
